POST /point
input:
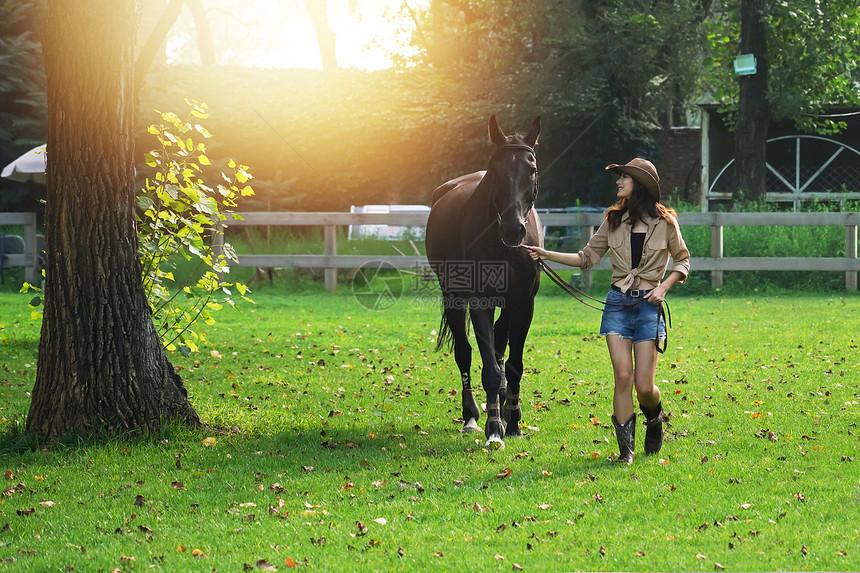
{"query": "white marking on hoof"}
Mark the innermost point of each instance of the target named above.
(471, 426)
(495, 442)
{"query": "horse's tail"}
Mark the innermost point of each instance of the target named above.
(445, 338)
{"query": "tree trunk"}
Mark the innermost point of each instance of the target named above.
(101, 363)
(204, 32)
(753, 109)
(154, 41)
(325, 37)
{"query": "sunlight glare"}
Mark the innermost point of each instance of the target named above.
(279, 34)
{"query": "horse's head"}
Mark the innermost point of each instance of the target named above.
(512, 175)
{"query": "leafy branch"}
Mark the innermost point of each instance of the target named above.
(178, 218)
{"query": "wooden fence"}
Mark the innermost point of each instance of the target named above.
(716, 263)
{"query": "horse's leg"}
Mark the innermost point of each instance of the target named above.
(519, 328)
(500, 335)
(491, 375)
(456, 319)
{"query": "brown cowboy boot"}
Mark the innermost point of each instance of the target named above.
(653, 428)
(626, 436)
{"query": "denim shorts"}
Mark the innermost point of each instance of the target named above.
(632, 318)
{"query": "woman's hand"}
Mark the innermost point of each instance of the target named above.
(657, 295)
(536, 252)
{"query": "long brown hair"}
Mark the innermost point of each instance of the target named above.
(638, 204)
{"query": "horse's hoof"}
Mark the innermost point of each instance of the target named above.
(513, 431)
(495, 442)
(471, 426)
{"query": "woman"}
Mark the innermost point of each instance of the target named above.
(641, 234)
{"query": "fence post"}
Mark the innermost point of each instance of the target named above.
(218, 241)
(587, 278)
(32, 247)
(851, 253)
(716, 250)
(330, 233)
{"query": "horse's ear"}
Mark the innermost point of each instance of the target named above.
(534, 132)
(496, 134)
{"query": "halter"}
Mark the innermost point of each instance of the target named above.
(517, 146)
(521, 146)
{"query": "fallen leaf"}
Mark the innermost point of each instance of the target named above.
(544, 506)
(264, 565)
(505, 473)
(208, 442)
(381, 520)
(197, 553)
(290, 563)
(718, 566)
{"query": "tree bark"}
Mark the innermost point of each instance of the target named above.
(753, 109)
(101, 363)
(325, 37)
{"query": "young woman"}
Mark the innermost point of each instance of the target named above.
(641, 234)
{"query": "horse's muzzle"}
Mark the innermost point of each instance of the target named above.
(512, 235)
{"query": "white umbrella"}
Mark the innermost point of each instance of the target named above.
(30, 166)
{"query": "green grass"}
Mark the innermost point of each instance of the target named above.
(340, 449)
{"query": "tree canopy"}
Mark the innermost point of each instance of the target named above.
(606, 75)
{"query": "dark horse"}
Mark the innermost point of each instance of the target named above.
(475, 230)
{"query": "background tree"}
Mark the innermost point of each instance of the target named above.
(808, 64)
(614, 73)
(326, 41)
(753, 110)
(101, 363)
(159, 34)
(22, 96)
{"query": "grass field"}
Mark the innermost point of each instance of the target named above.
(338, 449)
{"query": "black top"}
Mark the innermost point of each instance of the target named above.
(637, 242)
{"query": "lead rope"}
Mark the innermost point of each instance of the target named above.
(580, 295)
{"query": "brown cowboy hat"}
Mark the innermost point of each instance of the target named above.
(642, 171)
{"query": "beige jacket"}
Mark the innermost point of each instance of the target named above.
(662, 239)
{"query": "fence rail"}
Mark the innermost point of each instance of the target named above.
(716, 263)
